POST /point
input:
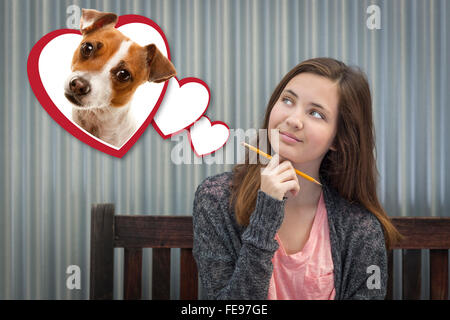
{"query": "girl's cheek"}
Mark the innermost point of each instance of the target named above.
(319, 137)
(274, 119)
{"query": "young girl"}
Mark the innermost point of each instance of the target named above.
(263, 232)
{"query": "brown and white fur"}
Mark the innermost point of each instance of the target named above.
(107, 68)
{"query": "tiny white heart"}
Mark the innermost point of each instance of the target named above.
(182, 105)
(207, 138)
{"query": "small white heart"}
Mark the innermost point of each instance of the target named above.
(184, 102)
(206, 137)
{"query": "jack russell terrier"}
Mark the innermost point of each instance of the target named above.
(107, 68)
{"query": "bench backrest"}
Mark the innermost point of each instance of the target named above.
(133, 233)
(431, 233)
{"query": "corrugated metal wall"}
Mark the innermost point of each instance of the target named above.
(241, 49)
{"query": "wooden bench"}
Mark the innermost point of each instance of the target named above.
(421, 233)
(135, 232)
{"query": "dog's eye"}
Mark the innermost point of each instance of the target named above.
(123, 75)
(86, 49)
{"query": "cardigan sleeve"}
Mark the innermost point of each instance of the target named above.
(225, 274)
(365, 270)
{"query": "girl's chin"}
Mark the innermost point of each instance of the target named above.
(284, 157)
(287, 154)
(294, 157)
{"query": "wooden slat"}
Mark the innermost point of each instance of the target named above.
(411, 274)
(102, 252)
(390, 285)
(161, 274)
(153, 231)
(439, 274)
(423, 233)
(132, 274)
(188, 276)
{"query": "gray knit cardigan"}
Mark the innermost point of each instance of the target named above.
(235, 262)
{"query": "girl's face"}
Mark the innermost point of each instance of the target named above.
(307, 109)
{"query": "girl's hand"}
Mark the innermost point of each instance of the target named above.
(277, 180)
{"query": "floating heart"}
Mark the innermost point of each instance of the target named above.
(207, 137)
(184, 103)
(49, 65)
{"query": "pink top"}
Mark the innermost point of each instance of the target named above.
(308, 274)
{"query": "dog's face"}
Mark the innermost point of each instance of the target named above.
(107, 67)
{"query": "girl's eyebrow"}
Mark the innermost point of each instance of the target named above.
(313, 103)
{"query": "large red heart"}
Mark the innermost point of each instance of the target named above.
(56, 111)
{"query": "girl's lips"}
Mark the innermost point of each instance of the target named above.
(287, 138)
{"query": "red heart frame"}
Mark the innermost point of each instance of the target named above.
(44, 99)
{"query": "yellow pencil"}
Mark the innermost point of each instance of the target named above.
(270, 157)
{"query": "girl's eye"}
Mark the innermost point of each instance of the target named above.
(318, 114)
(287, 101)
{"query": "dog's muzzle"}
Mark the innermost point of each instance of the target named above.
(78, 87)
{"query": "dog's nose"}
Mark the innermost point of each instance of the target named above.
(79, 86)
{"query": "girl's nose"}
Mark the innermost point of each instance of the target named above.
(295, 121)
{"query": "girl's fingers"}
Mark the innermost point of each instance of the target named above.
(273, 162)
(287, 175)
(292, 186)
(285, 165)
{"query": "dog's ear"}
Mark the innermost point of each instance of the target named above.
(161, 69)
(92, 20)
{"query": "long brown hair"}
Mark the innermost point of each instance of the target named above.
(351, 169)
